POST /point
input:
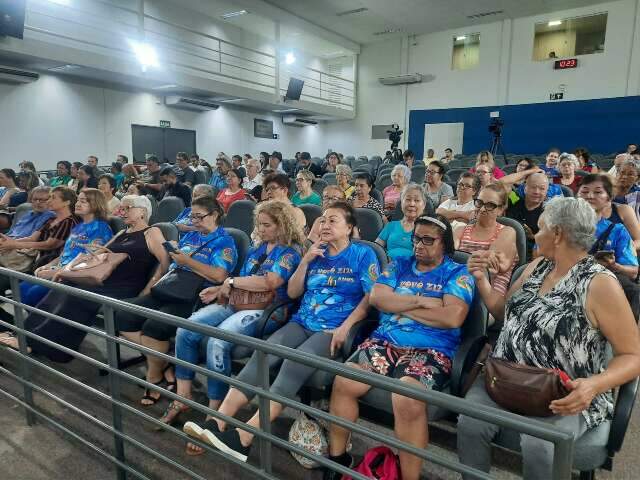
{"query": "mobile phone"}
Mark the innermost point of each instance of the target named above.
(168, 246)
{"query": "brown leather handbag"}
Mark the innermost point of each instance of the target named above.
(92, 269)
(522, 389)
(247, 300)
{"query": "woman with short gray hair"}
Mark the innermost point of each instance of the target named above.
(395, 237)
(567, 165)
(400, 176)
(343, 180)
(554, 318)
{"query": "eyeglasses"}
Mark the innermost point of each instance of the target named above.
(464, 186)
(432, 172)
(300, 179)
(199, 218)
(482, 172)
(39, 200)
(331, 199)
(272, 188)
(426, 240)
(488, 206)
(129, 207)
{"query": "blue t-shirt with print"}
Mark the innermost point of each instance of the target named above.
(335, 285)
(218, 181)
(29, 223)
(554, 191)
(94, 233)
(183, 219)
(398, 240)
(448, 278)
(220, 251)
(282, 260)
(619, 241)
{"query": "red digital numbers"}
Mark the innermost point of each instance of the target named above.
(562, 64)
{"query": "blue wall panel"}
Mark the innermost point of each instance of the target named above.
(602, 126)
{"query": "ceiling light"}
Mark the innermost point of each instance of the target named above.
(461, 37)
(165, 87)
(289, 58)
(285, 110)
(231, 100)
(63, 68)
(229, 15)
(146, 54)
(351, 12)
(61, 2)
(389, 30)
(554, 23)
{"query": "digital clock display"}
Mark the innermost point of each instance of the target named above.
(568, 63)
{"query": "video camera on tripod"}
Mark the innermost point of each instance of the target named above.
(395, 134)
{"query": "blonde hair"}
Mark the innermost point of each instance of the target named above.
(346, 169)
(97, 202)
(307, 175)
(489, 156)
(290, 233)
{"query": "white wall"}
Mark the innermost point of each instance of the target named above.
(52, 119)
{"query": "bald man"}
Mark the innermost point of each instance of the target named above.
(527, 209)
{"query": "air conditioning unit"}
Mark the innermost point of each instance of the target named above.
(189, 103)
(401, 79)
(15, 75)
(294, 121)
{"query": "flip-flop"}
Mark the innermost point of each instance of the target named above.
(147, 395)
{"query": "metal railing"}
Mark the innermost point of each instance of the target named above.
(562, 440)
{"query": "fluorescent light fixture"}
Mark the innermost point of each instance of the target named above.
(165, 87)
(145, 53)
(229, 15)
(61, 2)
(285, 110)
(554, 23)
(63, 68)
(461, 37)
(289, 58)
(231, 100)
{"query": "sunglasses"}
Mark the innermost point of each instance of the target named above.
(488, 206)
(426, 240)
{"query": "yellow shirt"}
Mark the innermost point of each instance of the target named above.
(349, 191)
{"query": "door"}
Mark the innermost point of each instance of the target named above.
(443, 135)
(162, 142)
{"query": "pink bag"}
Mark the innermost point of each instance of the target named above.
(379, 463)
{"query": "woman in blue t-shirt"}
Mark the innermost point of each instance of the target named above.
(210, 252)
(269, 265)
(395, 237)
(94, 231)
(334, 280)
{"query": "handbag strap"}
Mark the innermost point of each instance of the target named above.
(256, 267)
(602, 240)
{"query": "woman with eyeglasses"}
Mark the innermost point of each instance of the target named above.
(400, 177)
(626, 190)
(209, 252)
(487, 238)
(461, 210)
(567, 165)
(233, 192)
(343, 179)
(395, 237)
(147, 261)
(305, 194)
(275, 186)
(362, 198)
(486, 158)
(434, 188)
(483, 172)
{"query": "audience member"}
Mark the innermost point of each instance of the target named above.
(626, 180)
(486, 158)
(63, 169)
(107, 185)
(219, 177)
(122, 159)
(130, 178)
(362, 196)
(118, 176)
(330, 306)
(26, 166)
(92, 161)
(330, 195)
(584, 158)
(555, 318)
(174, 188)
(254, 177)
(305, 194)
(305, 163)
(485, 177)
(550, 166)
(270, 263)
(275, 163)
(208, 252)
(567, 165)
(423, 301)
(146, 256)
(343, 179)
(632, 148)
(617, 163)
(234, 190)
(151, 183)
(331, 162)
(434, 188)
(395, 237)
(34, 219)
(430, 157)
(236, 163)
(528, 209)
(461, 210)
(400, 177)
(9, 181)
(186, 175)
(276, 187)
(264, 160)
(183, 221)
(75, 169)
(86, 178)
(519, 178)
(408, 158)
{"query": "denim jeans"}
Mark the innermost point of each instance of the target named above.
(218, 351)
(31, 294)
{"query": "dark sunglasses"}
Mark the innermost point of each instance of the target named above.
(488, 206)
(426, 240)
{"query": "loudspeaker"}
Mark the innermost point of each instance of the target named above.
(12, 18)
(295, 89)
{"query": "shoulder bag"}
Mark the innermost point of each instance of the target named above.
(242, 299)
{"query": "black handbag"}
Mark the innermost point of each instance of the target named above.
(179, 285)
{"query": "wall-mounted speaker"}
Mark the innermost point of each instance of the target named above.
(12, 18)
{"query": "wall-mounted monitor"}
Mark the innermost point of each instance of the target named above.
(262, 128)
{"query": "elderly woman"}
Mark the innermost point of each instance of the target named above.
(107, 185)
(329, 307)
(617, 226)
(486, 158)
(209, 252)
(461, 210)
(362, 197)
(486, 238)
(395, 237)
(567, 165)
(435, 189)
(343, 179)
(553, 314)
(400, 177)
(183, 221)
(269, 265)
(233, 192)
(305, 194)
(146, 262)
(485, 177)
(330, 194)
(626, 181)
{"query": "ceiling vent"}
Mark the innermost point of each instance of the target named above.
(187, 103)
(352, 12)
(293, 121)
(485, 14)
(390, 30)
(15, 75)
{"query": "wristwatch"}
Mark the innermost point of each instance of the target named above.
(230, 281)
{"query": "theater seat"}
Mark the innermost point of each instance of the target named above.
(240, 216)
(243, 243)
(370, 223)
(168, 209)
(311, 213)
(319, 185)
(199, 177)
(21, 210)
(521, 238)
(169, 231)
(116, 224)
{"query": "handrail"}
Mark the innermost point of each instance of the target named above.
(563, 440)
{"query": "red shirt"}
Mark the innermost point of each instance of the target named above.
(574, 186)
(497, 173)
(226, 200)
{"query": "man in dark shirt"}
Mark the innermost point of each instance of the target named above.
(305, 163)
(173, 188)
(151, 183)
(527, 210)
(185, 173)
(236, 162)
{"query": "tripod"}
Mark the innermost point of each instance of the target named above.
(496, 146)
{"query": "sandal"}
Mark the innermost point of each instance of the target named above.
(148, 397)
(173, 411)
(171, 386)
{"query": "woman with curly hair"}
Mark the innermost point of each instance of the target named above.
(277, 240)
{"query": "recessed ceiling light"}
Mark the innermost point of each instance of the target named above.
(461, 37)
(229, 15)
(145, 53)
(485, 14)
(289, 58)
(554, 23)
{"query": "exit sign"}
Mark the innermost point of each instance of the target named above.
(165, 123)
(556, 96)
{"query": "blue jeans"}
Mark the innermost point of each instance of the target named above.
(31, 294)
(218, 351)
